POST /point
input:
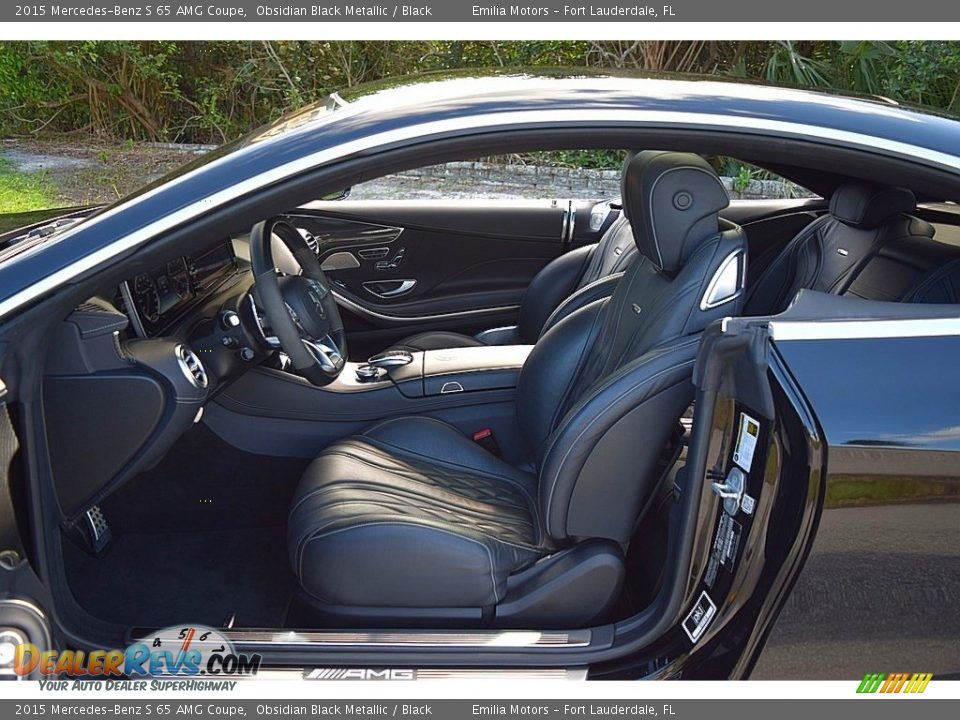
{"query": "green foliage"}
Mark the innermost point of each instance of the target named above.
(216, 91)
(22, 192)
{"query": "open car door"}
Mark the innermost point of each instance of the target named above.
(23, 617)
(828, 535)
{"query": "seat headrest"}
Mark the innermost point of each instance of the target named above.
(865, 205)
(671, 200)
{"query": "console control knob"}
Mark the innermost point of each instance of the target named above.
(368, 373)
(246, 354)
(229, 320)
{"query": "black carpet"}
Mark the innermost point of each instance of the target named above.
(199, 536)
(158, 579)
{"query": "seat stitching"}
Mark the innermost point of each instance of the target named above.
(516, 523)
(526, 495)
(382, 446)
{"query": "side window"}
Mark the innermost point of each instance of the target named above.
(749, 182)
(568, 174)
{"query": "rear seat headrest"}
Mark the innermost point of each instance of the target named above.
(865, 205)
(672, 200)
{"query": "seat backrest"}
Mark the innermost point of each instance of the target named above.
(602, 390)
(828, 253)
(573, 271)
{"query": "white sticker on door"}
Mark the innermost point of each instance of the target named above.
(746, 441)
(698, 620)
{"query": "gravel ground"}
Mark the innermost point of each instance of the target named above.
(90, 172)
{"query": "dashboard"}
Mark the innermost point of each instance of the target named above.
(155, 299)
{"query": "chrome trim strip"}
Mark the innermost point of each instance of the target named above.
(572, 229)
(708, 301)
(131, 309)
(358, 308)
(403, 288)
(493, 640)
(486, 121)
(787, 330)
(26, 605)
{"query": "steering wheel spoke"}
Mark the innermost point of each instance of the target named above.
(326, 352)
(299, 314)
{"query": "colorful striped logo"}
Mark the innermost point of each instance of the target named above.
(894, 682)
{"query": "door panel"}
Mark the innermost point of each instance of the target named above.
(408, 266)
(863, 528)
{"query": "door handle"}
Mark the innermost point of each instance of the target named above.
(389, 288)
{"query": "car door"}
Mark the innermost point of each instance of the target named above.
(830, 544)
(405, 266)
(23, 618)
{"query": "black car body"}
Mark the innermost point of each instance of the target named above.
(847, 559)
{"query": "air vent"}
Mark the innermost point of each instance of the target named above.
(192, 367)
(311, 241)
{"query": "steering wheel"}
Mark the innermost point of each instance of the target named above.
(299, 309)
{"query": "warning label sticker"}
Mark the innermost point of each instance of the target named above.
(698, 619)
(746, 441)
(725, 547)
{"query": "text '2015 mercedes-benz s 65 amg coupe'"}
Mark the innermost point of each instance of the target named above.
(655, 434)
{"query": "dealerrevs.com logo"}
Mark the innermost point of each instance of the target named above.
(180, 651)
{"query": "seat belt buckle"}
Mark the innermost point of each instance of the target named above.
(485, 439)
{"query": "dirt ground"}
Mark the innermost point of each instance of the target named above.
(87, 172)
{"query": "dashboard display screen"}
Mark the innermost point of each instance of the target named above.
(162, 294)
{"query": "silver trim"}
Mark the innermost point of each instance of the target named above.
(132, 311)
(271, 340)
(3, 390)
(12, 637)
(191, 367)
(572, 229)
(404, 287)
(341, 260)
(423, 132)
(326, 353)
(491, 640)
(358, 308)
(785, 330)
(710, 299)
(26, 605)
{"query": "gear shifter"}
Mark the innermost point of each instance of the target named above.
(379, 365)
(391, 359)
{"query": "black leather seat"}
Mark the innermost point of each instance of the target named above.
(831, 254)
(567, 283)
(412, 522)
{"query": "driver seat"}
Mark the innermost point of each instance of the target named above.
(410, 522)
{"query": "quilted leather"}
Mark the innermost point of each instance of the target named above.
(412, 485)
(830, 253)
(412, 514)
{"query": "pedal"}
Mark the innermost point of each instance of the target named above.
(97, 530)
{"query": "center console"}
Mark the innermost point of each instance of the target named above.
(272, 411)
